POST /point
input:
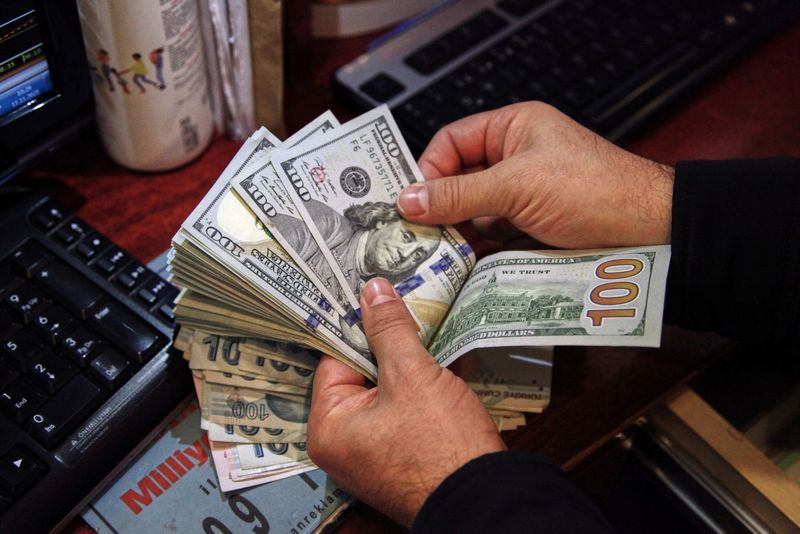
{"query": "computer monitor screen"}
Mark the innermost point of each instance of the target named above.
(25, 79)
(45, 89)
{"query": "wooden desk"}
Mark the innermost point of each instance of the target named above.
(750, 111)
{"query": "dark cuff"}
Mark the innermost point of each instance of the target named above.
(736, 248)
(508, 492)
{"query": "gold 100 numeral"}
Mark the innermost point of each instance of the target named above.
(629, 268)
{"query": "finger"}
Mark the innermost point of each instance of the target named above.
(334, 381)
(459, 198)
(458, 145)
(390, 329)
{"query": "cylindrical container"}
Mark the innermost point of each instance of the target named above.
(150, 84)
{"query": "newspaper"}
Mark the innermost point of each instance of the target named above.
(173, 487)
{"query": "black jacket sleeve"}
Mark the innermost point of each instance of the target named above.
(508, 492)
(735, 265)
(735, 269)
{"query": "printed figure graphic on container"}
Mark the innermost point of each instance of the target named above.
(173, 123)
(139, 70)
(108, 71)
(157, 59)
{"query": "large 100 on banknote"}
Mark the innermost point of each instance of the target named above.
(526, 298)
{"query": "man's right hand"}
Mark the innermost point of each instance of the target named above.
(544, 173)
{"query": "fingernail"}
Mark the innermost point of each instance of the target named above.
(414, 200)
(377, 291)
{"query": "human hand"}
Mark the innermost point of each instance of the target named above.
(393, 444)
(548, 176)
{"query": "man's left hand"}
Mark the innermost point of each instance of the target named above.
(393, 444)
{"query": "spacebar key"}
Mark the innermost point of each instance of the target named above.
(132, 335)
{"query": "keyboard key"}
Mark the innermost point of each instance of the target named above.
(167, 311)
(19, 348)
(50, 370)
(19, 399)
(8, 279)
(69, 287)
(91, 247)
(439, 52)
(157, 290)
(7, 324)
(136, 338)
(5, 502)
(53, 322)
(111, 368)
(7, 375)
(48, 216)
(657, 74)
(132, 276)
(72, 232)
(382, 87)
(53, 420)
(19, 470)
(24, 301)
(111, 261)
(29, 256)
(82, 344)
(519, 8)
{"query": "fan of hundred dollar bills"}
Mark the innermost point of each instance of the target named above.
(272, 261)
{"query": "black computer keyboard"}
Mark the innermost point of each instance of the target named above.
(85, 368)
(610, 64)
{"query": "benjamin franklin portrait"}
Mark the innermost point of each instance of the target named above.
(369, 240)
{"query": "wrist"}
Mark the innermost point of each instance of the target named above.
(663, 183)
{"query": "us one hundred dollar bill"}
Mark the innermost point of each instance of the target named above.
(345, 186)
(263, 191)
(229, 232)
(591, 297)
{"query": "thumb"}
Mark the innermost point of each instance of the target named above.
(458, 198)
(392, 332)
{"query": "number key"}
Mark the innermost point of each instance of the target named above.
(51, 422)
(24, 301)
(82, 345)
(53, 322)
(50, 371)
(20, 399)
(19, 348)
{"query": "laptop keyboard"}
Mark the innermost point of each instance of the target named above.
(79, 318)
(609, 64)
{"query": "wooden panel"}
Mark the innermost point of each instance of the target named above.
(742, 455)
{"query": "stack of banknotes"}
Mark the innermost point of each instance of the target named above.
(273, 259)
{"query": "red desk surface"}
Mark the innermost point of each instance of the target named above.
(750, 111)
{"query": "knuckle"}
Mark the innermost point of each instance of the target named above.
(318, 447)
(316, 451)
(537, 107)
(447, 195)
(389, 318)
